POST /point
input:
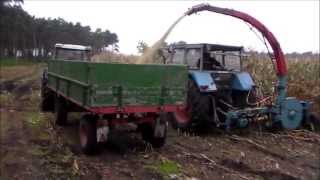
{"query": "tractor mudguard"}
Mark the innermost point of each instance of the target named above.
(204, 81)
(242, 81)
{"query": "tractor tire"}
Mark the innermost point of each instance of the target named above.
(88, 134)
(61, 111)
(148, 134)
(201, 107)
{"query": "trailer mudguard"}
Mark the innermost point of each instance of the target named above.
(242, 81)
(203, 80)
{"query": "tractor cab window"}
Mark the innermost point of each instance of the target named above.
(190, 57)
(193, 57)
(229, 60)
(211, 62)
(217, 57)
(233, 62)
(70, 54)
(178, 56)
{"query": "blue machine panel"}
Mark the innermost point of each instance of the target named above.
(242, 81)
(204, 81)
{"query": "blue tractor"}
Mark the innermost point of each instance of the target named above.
(220, 93)
(217, 84)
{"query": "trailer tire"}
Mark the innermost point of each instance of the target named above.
(147, 132)
(47, 100)
(61, 111)
(47, 97)
(88, 134)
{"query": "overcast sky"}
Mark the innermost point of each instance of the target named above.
(294, 23)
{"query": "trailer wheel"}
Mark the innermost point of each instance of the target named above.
(47, 100)
(61, 111)
(148, 132)
(47, 97)
(88, 134)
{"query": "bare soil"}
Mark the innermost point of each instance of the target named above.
(32, 147)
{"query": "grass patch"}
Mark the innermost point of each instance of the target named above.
(166, 167)
(8, 62)
(35, 119)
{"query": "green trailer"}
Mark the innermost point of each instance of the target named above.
(111, 94)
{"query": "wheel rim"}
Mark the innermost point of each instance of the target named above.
(83, 132)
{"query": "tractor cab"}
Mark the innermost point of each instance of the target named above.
(72, 52)
(207, 57)
(212, 67)
(217, 82)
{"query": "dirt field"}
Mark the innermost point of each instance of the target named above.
(32, 147)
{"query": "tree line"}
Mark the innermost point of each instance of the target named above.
(27, 36)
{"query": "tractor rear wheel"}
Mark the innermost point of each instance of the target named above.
(200, 106)
(88, 134)
(199, 111)
(61, 111)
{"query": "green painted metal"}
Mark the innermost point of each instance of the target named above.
(103, 84)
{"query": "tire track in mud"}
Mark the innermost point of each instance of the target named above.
(266, 175)
(245, 159)
(9, 83)
(22, 89)
(17, 161)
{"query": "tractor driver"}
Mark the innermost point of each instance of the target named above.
(211, 63)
